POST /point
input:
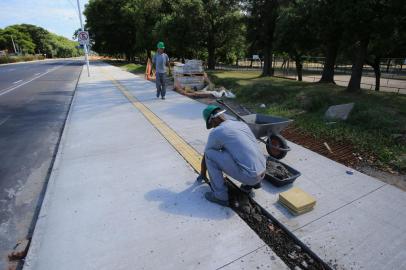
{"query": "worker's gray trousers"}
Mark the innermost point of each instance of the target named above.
(218, 162)
(160, 84)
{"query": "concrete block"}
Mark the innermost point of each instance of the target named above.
(339, 111)
(297, 201)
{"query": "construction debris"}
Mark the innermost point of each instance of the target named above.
(328, 147)
(20, 250)
(218, 92)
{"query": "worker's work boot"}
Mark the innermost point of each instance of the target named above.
(248, 189)
(210, 197)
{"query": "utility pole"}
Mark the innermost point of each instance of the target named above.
(84, 45)
(14, 46)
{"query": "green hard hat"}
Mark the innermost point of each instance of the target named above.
(160, 45)
(207, 112)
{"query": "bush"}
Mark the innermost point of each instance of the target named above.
(22, 58)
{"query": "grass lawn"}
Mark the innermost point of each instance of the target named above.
(374, 125)
(131, 67)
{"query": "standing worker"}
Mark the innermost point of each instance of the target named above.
(160, 60)
(233, 149)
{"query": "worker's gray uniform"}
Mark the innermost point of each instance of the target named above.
(160, 61)
(233, 149)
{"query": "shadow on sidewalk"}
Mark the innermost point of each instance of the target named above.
(189, 202)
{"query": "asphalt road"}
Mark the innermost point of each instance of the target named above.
(34, 101)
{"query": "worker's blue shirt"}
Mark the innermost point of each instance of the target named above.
(237, 139)
(160, 61)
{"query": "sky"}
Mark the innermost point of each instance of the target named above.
(57, 16)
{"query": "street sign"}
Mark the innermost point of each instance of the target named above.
(83, 37)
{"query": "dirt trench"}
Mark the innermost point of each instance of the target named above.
(291, 250)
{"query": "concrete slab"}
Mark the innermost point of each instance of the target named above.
(361, 231)
(120, 197)
(367, 234)
(261, 258)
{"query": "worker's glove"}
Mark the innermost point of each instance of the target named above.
(201, 178)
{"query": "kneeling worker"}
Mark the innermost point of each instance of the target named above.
(233, 149)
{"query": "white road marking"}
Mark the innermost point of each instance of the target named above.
(17, 81)
(4, 120)
(8, 90)
(37, 74)
(29, 101)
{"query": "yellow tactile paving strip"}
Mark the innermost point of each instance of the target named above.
(180, 145)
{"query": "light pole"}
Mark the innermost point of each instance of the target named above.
(84, 45)
(14, 46)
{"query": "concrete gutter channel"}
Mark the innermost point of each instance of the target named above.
(284, 243)
(279, 237)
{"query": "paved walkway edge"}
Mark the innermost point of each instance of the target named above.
(36, 230)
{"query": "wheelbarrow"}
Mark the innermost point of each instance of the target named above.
(266, 129)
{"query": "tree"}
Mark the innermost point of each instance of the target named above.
(38, 35)
(142, 18)
(221, 24)
(23, 42)
(389, 40)
(135, 26)
(327, 25)
(261, 22)
(181, 28)
(293, 34)
(33, 39)
(108, 28)
(368, 23)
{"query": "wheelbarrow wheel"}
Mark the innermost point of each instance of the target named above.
(273, 143)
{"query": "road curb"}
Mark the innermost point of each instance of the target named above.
(35, 230)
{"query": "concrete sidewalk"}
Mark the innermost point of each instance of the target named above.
(120, 197)
(358, 222)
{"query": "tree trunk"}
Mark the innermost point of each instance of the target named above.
(377, 71)
(283, 64)
(327, 75)
(388, 66)
(299, 68)
(251, 63)
(357, 66)
(267, 69)
(211, 58)
(211, 49)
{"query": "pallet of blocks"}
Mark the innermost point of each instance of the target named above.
(189, 78)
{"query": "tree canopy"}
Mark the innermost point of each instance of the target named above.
(360, 32)
(31, 39)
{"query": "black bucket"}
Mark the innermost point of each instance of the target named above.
(282, 182)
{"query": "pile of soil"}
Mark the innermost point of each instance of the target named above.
(276, 169)
(291, 251)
